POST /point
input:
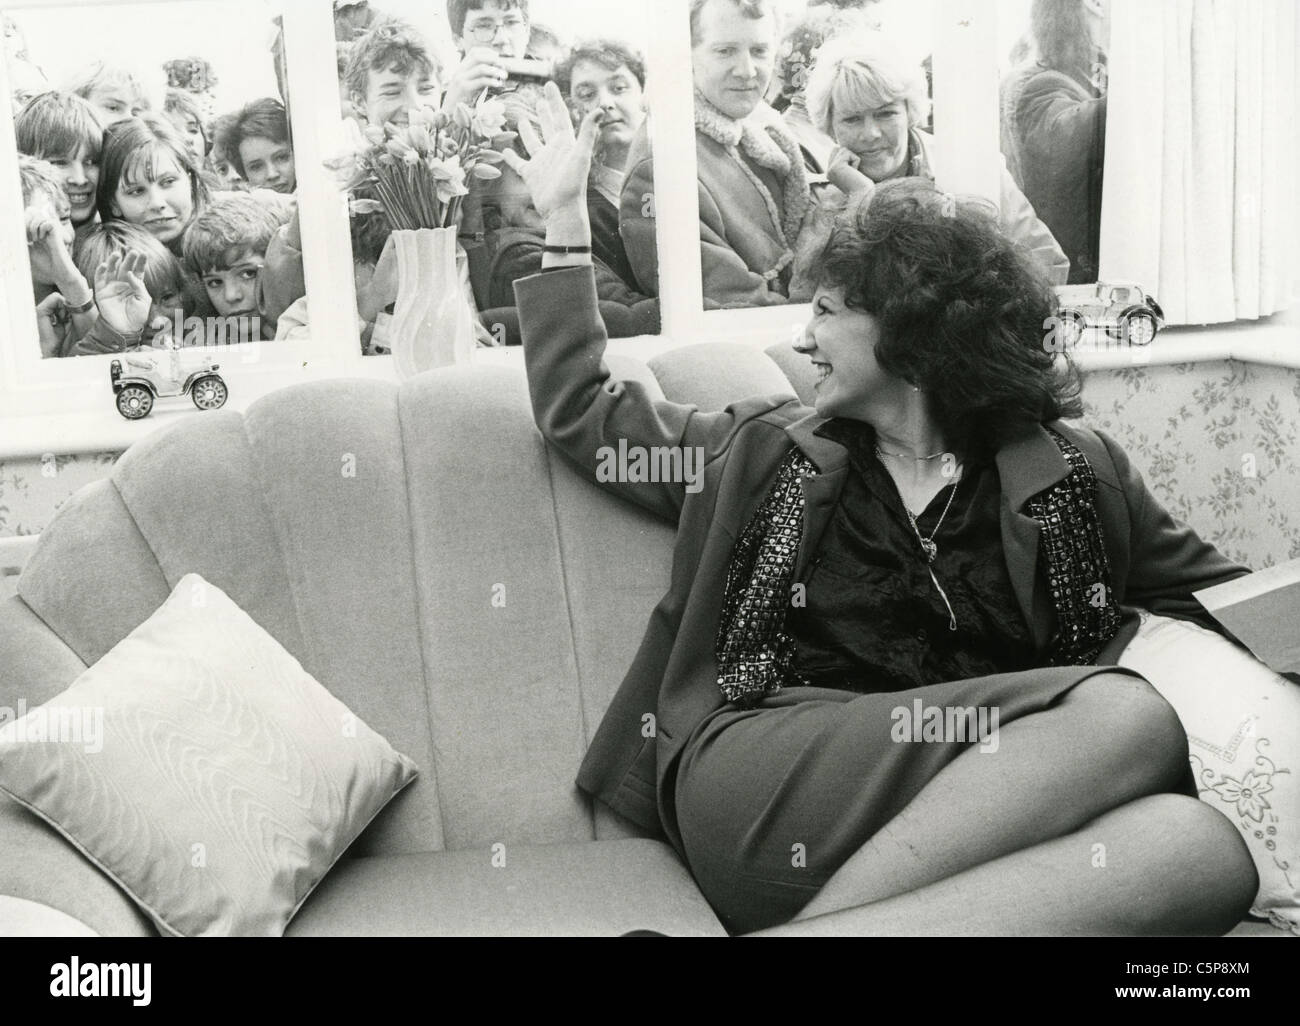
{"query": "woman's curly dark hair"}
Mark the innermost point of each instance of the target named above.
(964, 313)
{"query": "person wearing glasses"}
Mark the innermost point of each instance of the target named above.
(485, 31)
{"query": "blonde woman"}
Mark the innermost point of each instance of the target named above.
(872, 100)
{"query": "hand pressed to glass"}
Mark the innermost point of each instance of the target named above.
(556, 174)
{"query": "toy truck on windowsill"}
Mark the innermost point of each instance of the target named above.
(1122, 310)
(143, 375)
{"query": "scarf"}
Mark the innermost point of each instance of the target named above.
(754, 652)
(769, 146)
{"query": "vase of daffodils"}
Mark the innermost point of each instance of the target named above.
(418, 176)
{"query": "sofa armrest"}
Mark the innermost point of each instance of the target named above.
(38, 865)
(22, 918)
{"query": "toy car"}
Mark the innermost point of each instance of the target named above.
(143, 375)
(1121, 309)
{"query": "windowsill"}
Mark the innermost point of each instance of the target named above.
(100, 428)
(1273, 341)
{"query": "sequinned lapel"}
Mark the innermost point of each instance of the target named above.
(821, 491)
(1027, 466)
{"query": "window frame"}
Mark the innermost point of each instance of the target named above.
(65, 406)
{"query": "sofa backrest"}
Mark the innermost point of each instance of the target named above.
(420, 550)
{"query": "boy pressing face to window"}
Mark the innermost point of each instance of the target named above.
(64, 304)
(116, 92)
(389, 72)
(225, 249)
(153, 314)
(256, 141)
(48, 216)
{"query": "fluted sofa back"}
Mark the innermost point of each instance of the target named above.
(420, 550)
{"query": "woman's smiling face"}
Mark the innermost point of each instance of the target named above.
(841, 342)
(156, 194)
(877, 136)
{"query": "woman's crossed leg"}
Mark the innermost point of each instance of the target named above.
(1069, 828)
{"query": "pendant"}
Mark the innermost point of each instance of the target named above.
(930, 549)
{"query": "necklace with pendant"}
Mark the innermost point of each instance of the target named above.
(928, 545)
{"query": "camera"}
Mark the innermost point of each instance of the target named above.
(526, 69)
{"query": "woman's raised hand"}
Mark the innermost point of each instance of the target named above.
(557, 169)
(842, 172)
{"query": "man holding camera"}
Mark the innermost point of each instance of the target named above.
(492, 36)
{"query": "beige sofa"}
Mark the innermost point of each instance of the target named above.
(427, 558)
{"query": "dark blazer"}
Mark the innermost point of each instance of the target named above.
(1155, 562)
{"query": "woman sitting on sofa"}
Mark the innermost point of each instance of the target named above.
(931, 538)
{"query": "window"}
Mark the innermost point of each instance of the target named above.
(963, 47)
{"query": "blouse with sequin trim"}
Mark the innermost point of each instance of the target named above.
(873, 620)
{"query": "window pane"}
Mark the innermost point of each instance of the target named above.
(781, 146)
(401, 55)
(160, 130)
(1053, 100)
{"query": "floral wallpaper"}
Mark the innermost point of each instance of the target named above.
(32, 491)
(1217, 442)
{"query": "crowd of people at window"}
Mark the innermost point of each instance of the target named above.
(386, 67)
(794, 125)
(119, 162)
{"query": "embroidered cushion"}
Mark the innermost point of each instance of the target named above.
(1243, 731)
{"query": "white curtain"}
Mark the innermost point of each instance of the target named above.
(1202, 138)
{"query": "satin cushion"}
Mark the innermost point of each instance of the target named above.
(203, 769)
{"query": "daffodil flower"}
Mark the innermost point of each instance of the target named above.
(429, 118)
(489, 118)
(399, 148)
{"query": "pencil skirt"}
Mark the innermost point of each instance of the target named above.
(771, 801)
